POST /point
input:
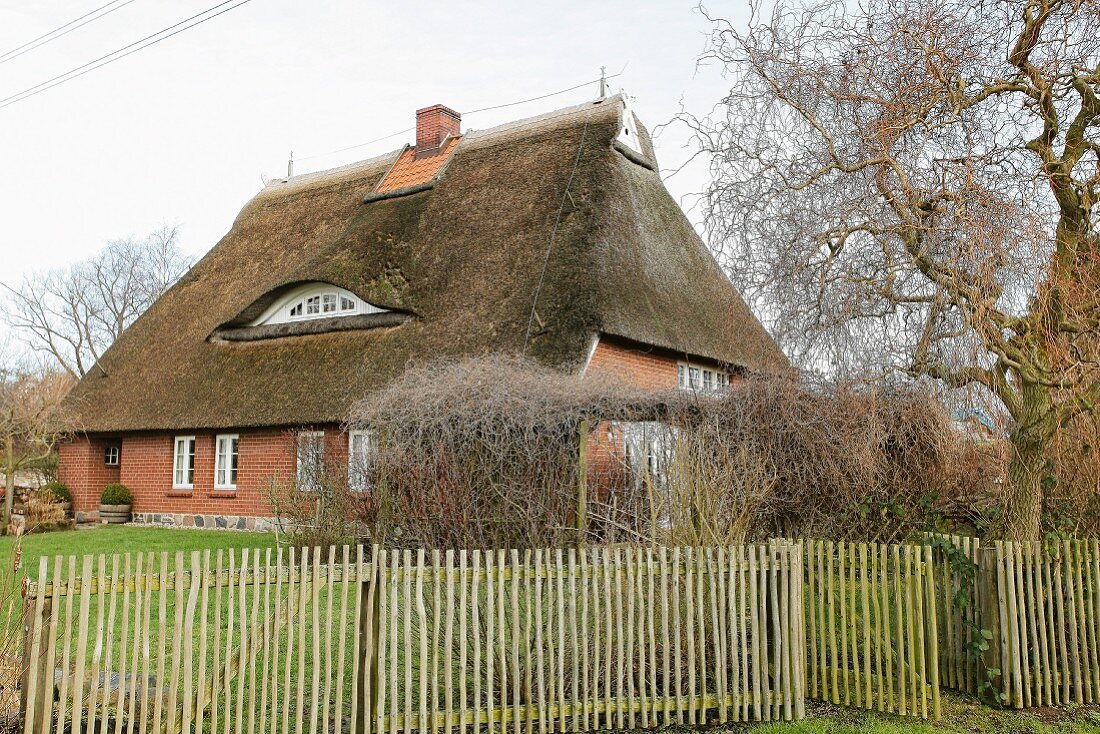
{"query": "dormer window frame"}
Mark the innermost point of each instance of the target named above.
(311, 301)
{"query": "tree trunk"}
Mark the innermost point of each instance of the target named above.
(1032, 445)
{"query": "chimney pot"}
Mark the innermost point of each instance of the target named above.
(434, 125)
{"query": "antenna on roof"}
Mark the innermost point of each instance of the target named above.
(603, 82)
(290, 166)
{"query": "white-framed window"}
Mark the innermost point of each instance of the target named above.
(360, 447)
(701, 379)
(315, 301)
(111, 453)
(183, 474)
(311, 459)
(225, 461)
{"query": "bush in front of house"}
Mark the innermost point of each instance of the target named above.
(487, 453)
(57, 492)
(116, 494)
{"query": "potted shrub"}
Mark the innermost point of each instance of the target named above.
(115, 503)
(59, 494)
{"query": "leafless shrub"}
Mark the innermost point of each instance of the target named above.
(318, 508)
(485, 453)
(481, 453)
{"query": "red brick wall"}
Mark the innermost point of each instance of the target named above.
(147, 469)
(82, 470)
(639, 365)
(635, 365)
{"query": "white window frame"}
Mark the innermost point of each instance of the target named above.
(358, 479)
(112, 454)
(307, 302)
(226, 473)
(694, 377)
(308, 484)
(189, 469)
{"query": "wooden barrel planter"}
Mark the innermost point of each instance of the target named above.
(114, 514)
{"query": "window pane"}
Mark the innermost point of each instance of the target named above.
(190, 462)
(346, 304)
(313, 304)
(296, 310)
(359, 460)
(328, 303)
(310, 459)
(184, 463)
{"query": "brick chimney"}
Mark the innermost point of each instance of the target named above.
(434, 125)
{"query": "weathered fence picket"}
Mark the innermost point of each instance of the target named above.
(377, 641)
(873, 637)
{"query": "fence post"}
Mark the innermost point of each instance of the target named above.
(368, 644)
(991, 673)
(36, 682)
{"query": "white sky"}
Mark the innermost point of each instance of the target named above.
(181, 133)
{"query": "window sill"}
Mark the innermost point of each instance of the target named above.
(227, 493)
(179, 492)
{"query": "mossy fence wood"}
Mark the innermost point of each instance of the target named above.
(368, 640)
(1038, 604)
(873, 636)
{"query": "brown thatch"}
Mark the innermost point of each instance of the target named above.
(462, 260)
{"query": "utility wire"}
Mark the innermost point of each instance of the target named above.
(542, 96)
(60, 31)
(467, 114)
(358, 145)
(143, 43)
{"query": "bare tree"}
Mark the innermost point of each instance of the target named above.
(74, 314)
(32, 421)
(911, 187)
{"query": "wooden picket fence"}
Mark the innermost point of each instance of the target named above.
(1039, 606)
(364, 640)
(219, 643)
(872, 627)
(959, 613)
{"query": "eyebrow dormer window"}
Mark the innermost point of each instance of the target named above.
(316, 301)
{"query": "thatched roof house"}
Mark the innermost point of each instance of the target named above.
(552, 236)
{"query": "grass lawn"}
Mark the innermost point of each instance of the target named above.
(960, 714)
(111, 539)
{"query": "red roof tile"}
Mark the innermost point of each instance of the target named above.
(411, 171)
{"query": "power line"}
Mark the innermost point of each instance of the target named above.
(467, 114)
(358, 145)
(55, 34)
(118, 54)
(542, 96)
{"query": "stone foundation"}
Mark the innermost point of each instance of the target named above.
(210, 522)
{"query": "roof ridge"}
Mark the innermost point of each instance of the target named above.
(471, 134)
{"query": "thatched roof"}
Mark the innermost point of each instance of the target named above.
(461, 260)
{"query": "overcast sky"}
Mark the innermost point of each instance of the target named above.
(183, 132)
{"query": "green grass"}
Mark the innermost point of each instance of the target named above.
(960, 714)
(110, 539)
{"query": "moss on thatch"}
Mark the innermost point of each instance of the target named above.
(464, 258)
